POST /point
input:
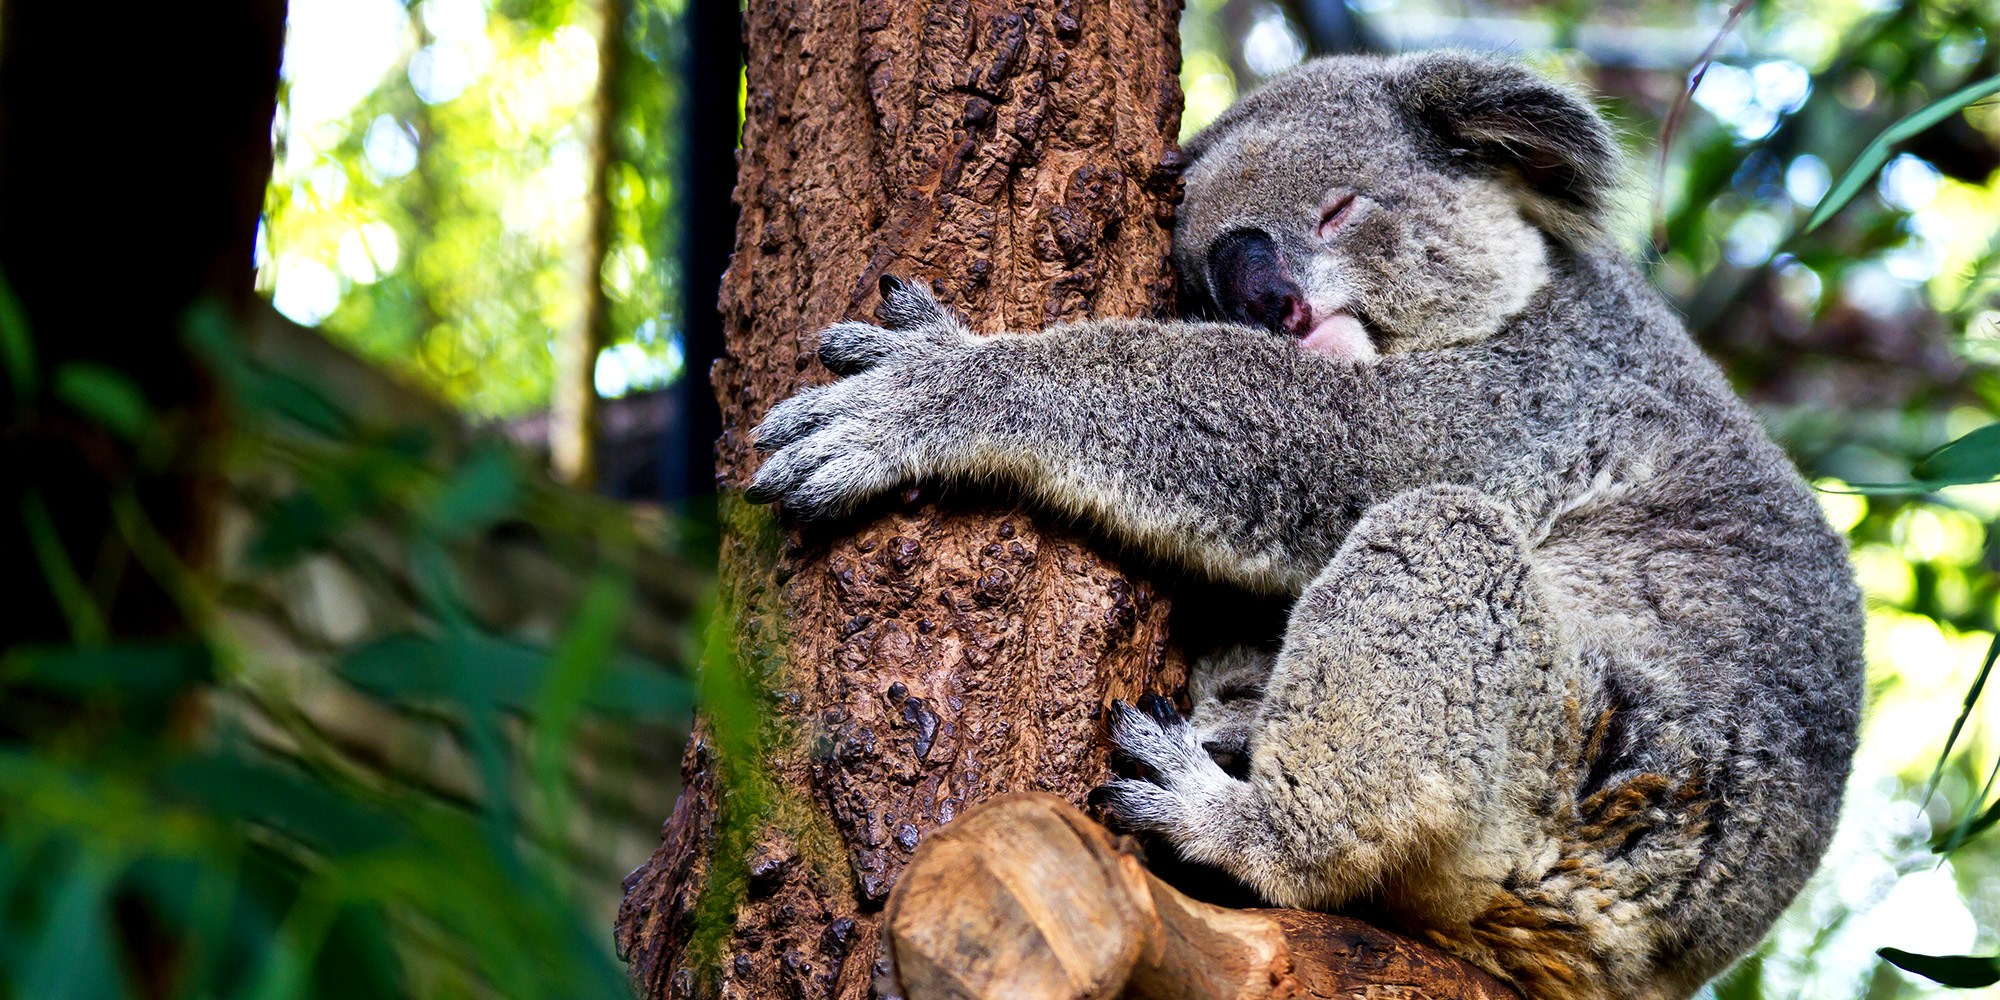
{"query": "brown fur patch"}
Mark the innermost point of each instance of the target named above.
(1528, 933)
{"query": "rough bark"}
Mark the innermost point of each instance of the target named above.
(1020, 157)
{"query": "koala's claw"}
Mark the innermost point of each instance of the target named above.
(908, 304)
(1153, 733)
(912, 321)
(832, 446)
(1185, 786)
(852, 348)
(824, 474)
(1135, 805)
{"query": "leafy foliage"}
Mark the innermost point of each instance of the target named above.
(435, 225)
(176, 821)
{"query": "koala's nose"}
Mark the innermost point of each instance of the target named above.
(1253, 286)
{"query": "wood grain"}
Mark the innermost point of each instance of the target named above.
(1025, 897)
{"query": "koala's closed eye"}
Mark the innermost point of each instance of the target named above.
(1239, 692)
(1334, 213)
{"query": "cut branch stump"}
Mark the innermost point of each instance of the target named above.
(1026, 897)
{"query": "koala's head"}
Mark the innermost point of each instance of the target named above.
(1370, 205)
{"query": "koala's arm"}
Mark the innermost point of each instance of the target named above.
(1220, 447)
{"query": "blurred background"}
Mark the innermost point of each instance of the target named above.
(431, 712)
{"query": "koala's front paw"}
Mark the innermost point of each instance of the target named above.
(836, 445)
(914, 325)
(1185, 783)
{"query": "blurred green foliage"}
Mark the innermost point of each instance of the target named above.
(178, 818)
(428, 205)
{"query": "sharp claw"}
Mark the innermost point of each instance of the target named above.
(1122, 711)
(1162, 710)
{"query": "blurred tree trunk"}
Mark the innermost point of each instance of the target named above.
(107, 254)
(1019, 156)
(711, 72)
(573, 412)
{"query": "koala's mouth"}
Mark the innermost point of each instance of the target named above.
(1336, 333)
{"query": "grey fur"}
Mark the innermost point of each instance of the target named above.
(1573, 675)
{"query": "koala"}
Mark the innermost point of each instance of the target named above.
(1571, 677)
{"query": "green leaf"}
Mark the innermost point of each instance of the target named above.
(585, 659)
(410, 668)
(72, 595)
(1744, 982)
(132, 673)
(1971, 824)
(258, 389)
(1974, 458)
(1966, 830)
(1964, 713)
(17, 345)
(74, 955)
(107, 396)
(1877, 152)
(482, 490)
(1958, 971)
(290, 803)
(293, 526)
(1966, 461)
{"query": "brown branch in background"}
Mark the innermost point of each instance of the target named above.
(1672, 126)
(573, 412)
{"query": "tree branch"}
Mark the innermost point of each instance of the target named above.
(1025, 896)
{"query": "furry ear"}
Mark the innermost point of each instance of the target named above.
(1502, 117)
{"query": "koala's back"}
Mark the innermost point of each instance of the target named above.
(1697, 574)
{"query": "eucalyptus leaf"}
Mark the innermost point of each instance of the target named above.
(128, 673)
(1970, 825)
(105, 395)
(1957, 971)
(1973, 458)
(17, 345)
(1877, 152)
(1964, 712)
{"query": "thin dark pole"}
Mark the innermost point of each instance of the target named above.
(712, 66)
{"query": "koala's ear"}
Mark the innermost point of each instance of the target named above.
(1505, 118)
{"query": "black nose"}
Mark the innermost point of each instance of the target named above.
(1253, 286)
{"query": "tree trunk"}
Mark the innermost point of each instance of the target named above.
(573, 407)
(105, 272)
(1019, 156)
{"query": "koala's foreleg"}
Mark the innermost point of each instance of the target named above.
(1221, 448)
(1420, 680)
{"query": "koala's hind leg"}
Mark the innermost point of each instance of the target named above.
(1410, 724)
